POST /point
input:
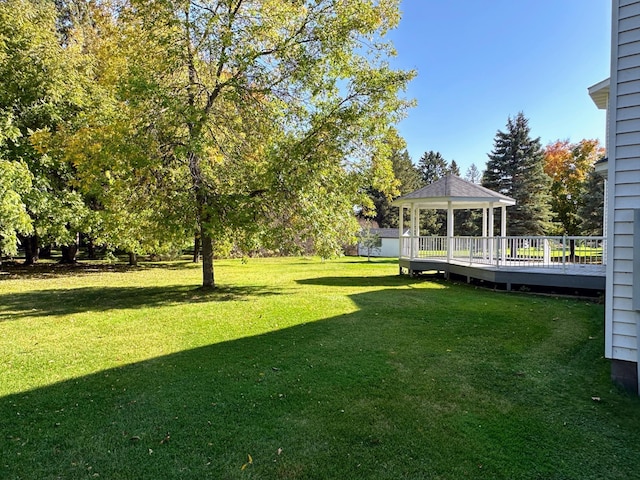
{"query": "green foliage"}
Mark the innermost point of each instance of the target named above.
(454, 169)
(15, 181)
(369, 240)
(591, 207)
(43, 84)
(257, 124)
(408, 177)
(432, 167)
(15, 184)
(516, 168)
(269, 117)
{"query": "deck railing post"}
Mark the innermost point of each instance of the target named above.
(564, 250)
(470, 251)
(546, 253)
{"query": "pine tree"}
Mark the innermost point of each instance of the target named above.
(454, 169)
(591, 208)
(516, 169)
(408, 176)
(432, 167)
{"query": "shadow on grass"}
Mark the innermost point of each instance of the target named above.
(14, 306)
(364, 281)
(52, 269)
(350, 260)
(354, 396)
(383, 260)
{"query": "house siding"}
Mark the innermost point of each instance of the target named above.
(622, 320)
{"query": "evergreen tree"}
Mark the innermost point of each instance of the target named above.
(516, 169)
(591, 208)
(409, 178)
(432, 166)
(468, 222)
(454, 169)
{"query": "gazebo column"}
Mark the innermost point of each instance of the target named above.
(412, 232)
(417, 231)
(503, 231)
(484, 232)
(450, 227)
(400, 236)
(490, 233)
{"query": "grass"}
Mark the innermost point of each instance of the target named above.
(302, 369)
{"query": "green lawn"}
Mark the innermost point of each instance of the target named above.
(302, 369)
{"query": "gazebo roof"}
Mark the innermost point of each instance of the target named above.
(461, 193)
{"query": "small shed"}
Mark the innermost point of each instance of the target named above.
(389, 243)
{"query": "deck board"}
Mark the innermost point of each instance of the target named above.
(589, 277)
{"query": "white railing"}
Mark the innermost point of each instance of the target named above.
(547, 252)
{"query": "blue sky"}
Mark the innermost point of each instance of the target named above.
(481, 61)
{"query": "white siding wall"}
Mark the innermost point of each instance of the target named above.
(389, 248)
(624, 180)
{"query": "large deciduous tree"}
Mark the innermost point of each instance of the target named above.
(259, 121)
(569, 164)
(516, 168)
(15, 184)
(42, 89)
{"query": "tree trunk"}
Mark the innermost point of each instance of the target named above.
(196, 248)
(91, 249)
(133, 259)
(70, 251)
(207, 260)
(45, 251)
(31, 250)
(572, 250)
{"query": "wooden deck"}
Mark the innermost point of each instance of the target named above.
(509, 274)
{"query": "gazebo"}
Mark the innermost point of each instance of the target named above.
(501, 259)
(453, 193)
(450, 193)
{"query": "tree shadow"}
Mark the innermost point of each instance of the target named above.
(382, 260)
(14, 306)
(381, 281)
(52, 269)
(48, 269)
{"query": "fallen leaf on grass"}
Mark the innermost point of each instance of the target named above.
(249, 462)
